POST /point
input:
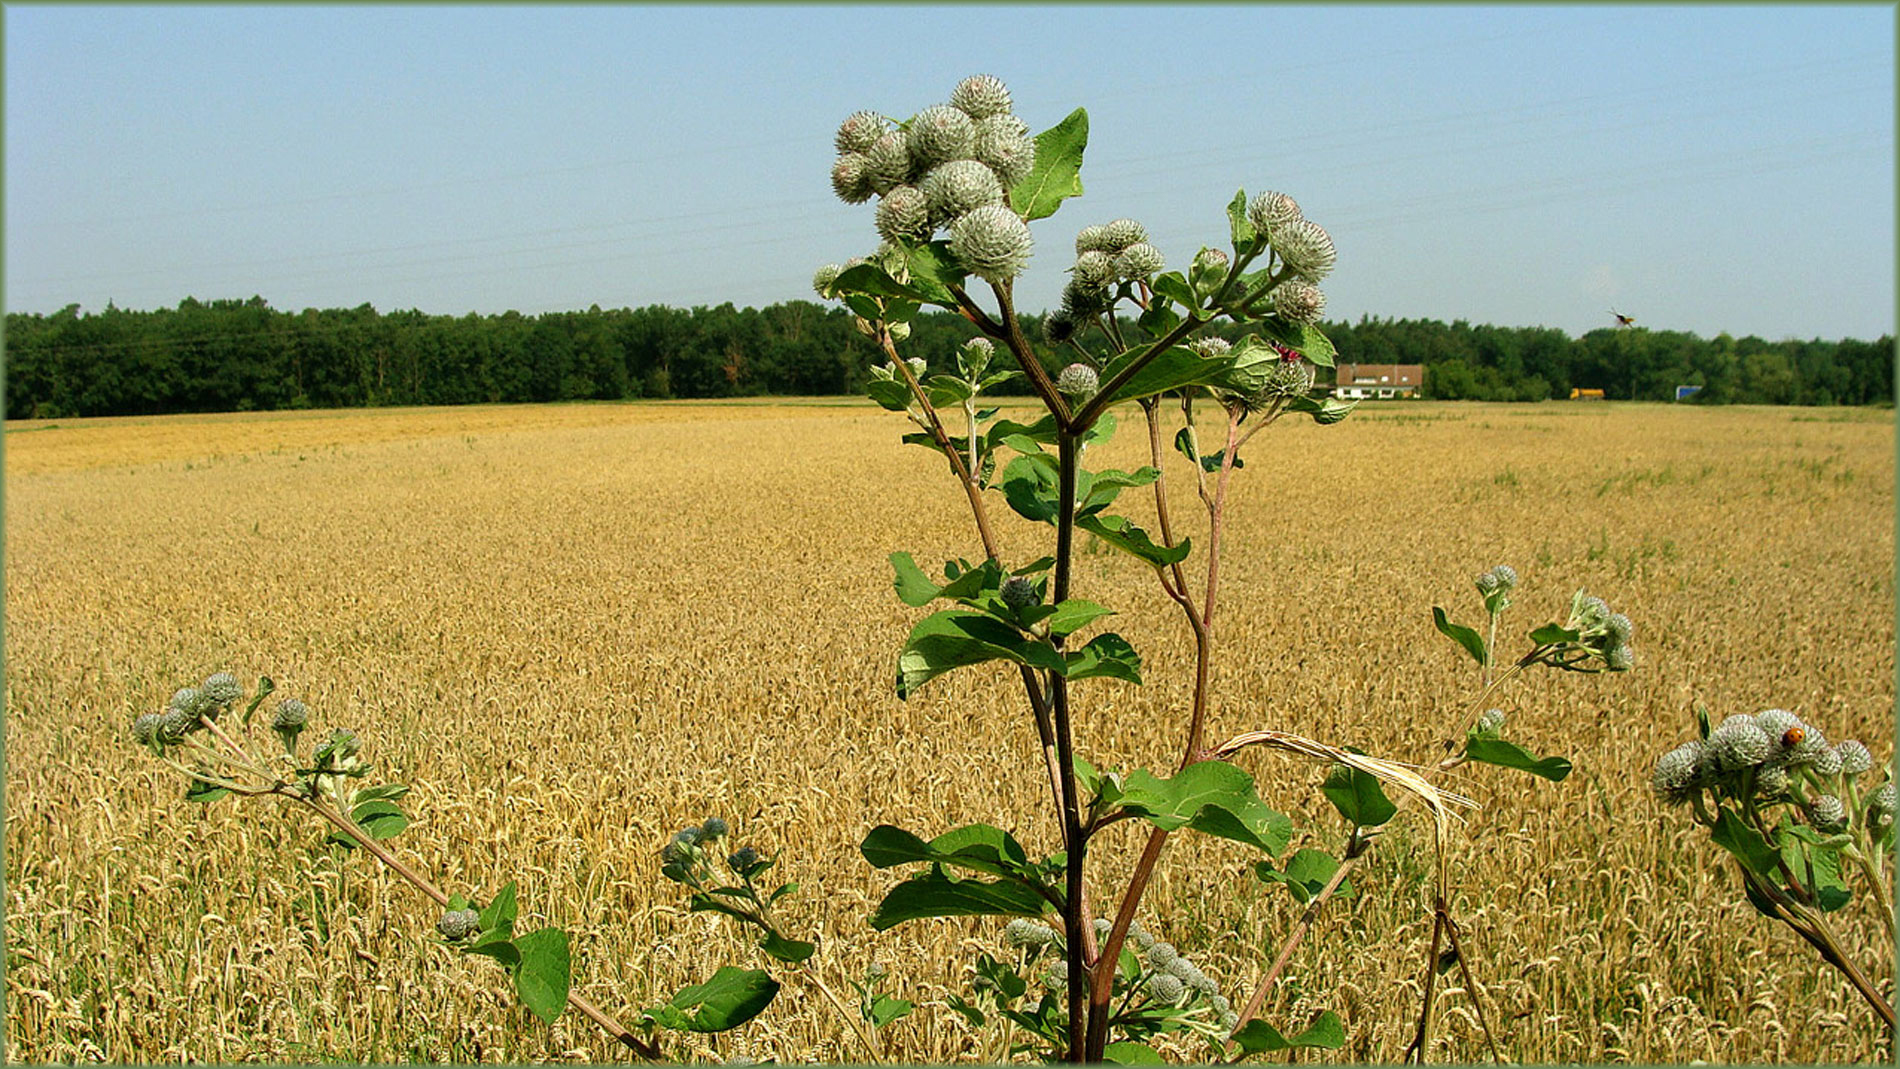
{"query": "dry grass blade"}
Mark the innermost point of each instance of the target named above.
(1439, 802)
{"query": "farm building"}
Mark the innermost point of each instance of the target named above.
(1378, 380)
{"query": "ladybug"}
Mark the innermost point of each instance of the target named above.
(1792, 737)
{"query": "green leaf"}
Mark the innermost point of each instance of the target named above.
(1171, 369)
(933, 271)
(791, 951)
(495, 943)
(1212, 797)
(1075, 614)
(1817, 864)
(381, 818)
(1733, 834)
(1358, 796)
(1174, 286)
(874, 281)
(731, 998)
(1462, 635)
(1030, 487)
(1325, 411)
(1307, 873)
(1552, 634)
(1128, 1052)
(885, 1009)
(500, 913)
(935, 894)
(1238, 227)
(1159, 320)
(1259, 1037)
(893, 394)
(957, 638)
(1510, 755)
(1304, 338)
(1117, 531)
(387, 790)
(914, 588)
(1097, 490)
(202, 792)
(1057, 174)
(979, 847)
(1107, 656)
(541, 976)
(264, 687)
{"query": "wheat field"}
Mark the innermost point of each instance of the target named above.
(574, 629)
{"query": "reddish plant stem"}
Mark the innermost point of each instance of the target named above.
(1307, 917)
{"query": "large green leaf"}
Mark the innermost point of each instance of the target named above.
(1472, 642)
(1096, 490)
(499, 914)
(1733, 834)
(1304, 338)
(1171, 369)
(1307, 873)
(1259, 1037)
(979, 847)
(1238, 226)
(1057, 174)
(1107, 656)
(956, 638)
(1325, 411)
(1029, 485)
(731, 998)
(541, 976)
(891, 394)
(1358, 796)
(872, 280)
(1212, 797)
(936, 894)
(1073, 615)
(1117, 531)
(1817, 864)
(1511, 755)
(1129, 1052)
(914, 588)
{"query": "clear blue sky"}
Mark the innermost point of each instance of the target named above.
(1701, 168)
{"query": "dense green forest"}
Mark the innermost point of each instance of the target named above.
(234, 355)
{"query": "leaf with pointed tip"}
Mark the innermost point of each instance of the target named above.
(1057, 174)
(1075, 614)
(1510, 755)
(1472, 642)
(1238, 227)
(956, 638)
(1325, 411)
(978, 847)
(914, 588)
(1117, 531)
(731, 998)
(1171, 369)
(1128, 1052)
(1107, 656)
(1303, 338)
(1307, 873)
(933, 270)
(542, 974)
(935, 894)
(890, 394)
(1358, 796)
(873, 281)
(1212, 797)
(1259, 1037)
(1030, 487)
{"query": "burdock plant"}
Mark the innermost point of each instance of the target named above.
(1800, 816)
(1128, 332)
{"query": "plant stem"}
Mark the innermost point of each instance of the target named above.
(1307, 917)
(1079, 939)
(854, 1021)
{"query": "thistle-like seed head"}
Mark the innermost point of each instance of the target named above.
(1307, 248)
(742, 859)
(145, 728)
(981, 96)
(1506, 576)
(1210, 261)
(222, 689)
(1739, 744)
(1487, 582)
(1094, 239)
(991, 242)
(1287, 378)
(175, 724)
(860, 131)
(1771, 780)
(903, 212)
(1210, 347)
(1826, 761)
(1298, 302)
(1491, 721)
(1094, 269)
(851, 178)
(823, 279)
(1122, 233)
(1679, 772)
(712, 828)
(1078, 380)
(1166, 987)
(1058, 327)
(938, 134)
(458, 924)
(291, 715)
(1161, 953)
(957, 187)
(1081, 302)
(887, 162)
(1827, 814)
(1019, 592)
(1270, 211)
(1002, 143)
(1139, 260)
(1854, 756)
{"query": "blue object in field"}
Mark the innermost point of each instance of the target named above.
(1687, 391)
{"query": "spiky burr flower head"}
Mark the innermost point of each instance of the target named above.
(851, 178)
(1854, 756)
(1491, 721)
(1298, 302)
(1166, 987)
(1094, 269)
(1807, 749)
(1141, 937)
(1139, 260)
(957, 187)
(1094, 238)
(1003, 144)
(1287, 378)
(1826, 761)
(1620, 658)
(1079, 302)
(903, 212)
(887, 162)
(1827, 813)
(175, 724)
(1307, 248)
(991, 242)
(938, 134)
(975, 356)
(221, 689)
(824, 278)
(981, 96)
(1078, 380)
(1161, 953)
(1505, 575)
(1269, 211)
(1023, 932)
(1776, 723)
(458, 924)
(1184, 970)
(1880, 806)
(1058, 327)
(860, 131)
(1739, 744)
(145, 728)
(1122, 233)
(1206, 987)
(1210, 260)
(291, 714)
(742, 859)
(1209, 347)
(190, 700)
(1679, 772)
(1487, 582)
(1771, 780)
(1019, 592)
(712, 828)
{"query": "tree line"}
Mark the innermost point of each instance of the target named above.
(235, 355)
